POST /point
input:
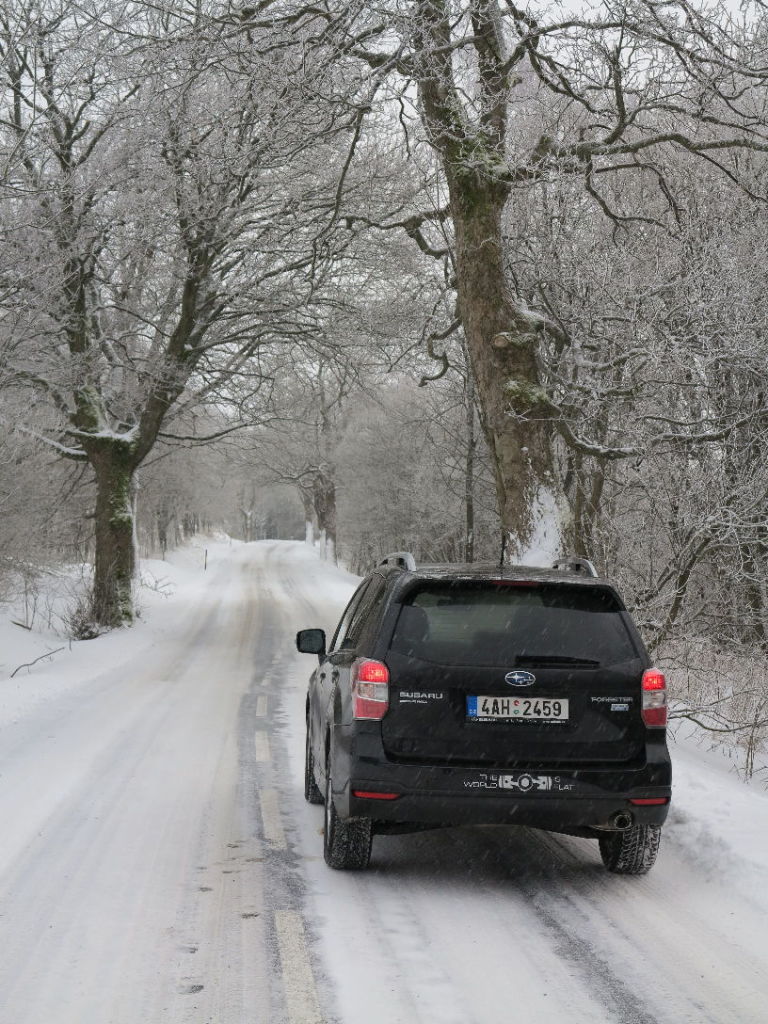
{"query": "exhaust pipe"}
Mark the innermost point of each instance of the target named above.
(622, 820)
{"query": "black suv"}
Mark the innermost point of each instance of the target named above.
(453, 695)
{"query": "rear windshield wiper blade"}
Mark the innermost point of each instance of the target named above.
(554, 659)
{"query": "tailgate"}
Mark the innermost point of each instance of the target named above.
(444, 714)
(490, 674)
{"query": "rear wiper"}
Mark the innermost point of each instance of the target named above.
(554, 659)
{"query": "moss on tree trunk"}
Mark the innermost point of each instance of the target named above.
(115, 560)
(502, 341)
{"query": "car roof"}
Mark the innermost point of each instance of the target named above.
(476, 571)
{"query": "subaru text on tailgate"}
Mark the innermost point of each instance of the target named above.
(454, 695)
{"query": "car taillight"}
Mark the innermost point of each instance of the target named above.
(370, 689)
(367, 794)
(654, 688)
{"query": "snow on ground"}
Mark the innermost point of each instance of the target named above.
(160, 863)
(467, 924)
(491, 925)
(163, 596)
(718, 822)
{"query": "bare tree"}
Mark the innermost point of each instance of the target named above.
(157, 230)
(512, 101)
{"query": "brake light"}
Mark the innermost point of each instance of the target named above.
(649, 801)
(366, 794)
(654, 688)
(370, 689)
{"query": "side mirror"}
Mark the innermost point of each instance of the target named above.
(311, 641)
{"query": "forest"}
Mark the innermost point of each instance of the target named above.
(469, 278)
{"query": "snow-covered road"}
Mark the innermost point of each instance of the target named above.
(158, 864)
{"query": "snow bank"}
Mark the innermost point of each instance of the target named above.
(56, 664)
(718, 822)
(545, 542)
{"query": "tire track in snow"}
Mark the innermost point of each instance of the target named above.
(103, 899)
(632, 935)
(226, 976)
(298, 994)
(59, 846)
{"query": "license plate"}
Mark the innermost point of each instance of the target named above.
(511, 709)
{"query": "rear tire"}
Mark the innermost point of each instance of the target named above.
(346, 844)
(632, 852)
(312, 792)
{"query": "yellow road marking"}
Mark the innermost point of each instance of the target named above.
(261, 742)
(300, 992)
(270, 816)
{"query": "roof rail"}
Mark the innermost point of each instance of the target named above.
(581, 566)
(402, 558)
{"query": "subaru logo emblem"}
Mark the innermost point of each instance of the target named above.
(519, 678)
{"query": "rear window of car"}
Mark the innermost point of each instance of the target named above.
(512, 625)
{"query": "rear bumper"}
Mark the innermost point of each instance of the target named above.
(570, 814)
(567, 801)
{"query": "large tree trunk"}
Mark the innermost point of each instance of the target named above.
(115, 561)
(469, 473)
(502, 340)
(502, 335)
